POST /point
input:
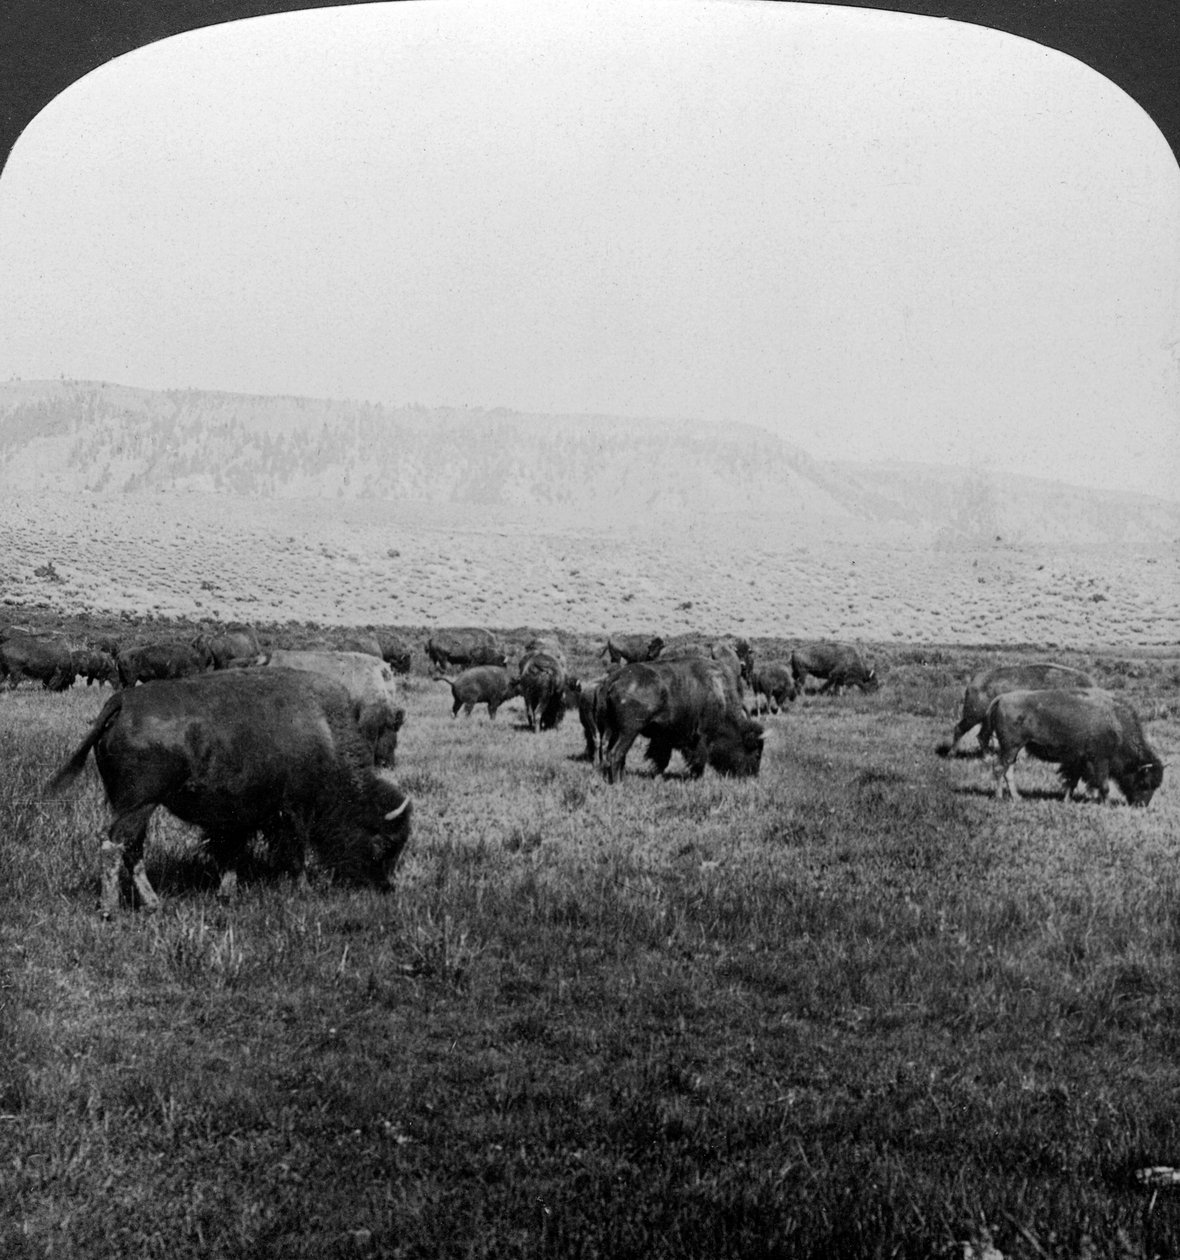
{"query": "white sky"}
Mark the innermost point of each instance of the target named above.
(880, 235)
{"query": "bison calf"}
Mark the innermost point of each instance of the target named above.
(484, 684)
(274, 751)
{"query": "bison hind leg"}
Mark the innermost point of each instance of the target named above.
(123, 865)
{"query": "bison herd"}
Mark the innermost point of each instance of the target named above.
(296, 746)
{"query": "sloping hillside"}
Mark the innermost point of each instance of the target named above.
(109, 439)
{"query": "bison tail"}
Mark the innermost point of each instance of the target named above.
(70, 771)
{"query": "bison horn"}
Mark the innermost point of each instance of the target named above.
(397, 813)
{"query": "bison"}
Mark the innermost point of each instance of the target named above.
(465, 646)
(987, 684)
(689, 705)
(483, 684)
(231, 644)
(632, 647)
(395, 651)
(1091, 734)
(840, 664)
(370, 685)
(238, 753)
(773, 683)
(44, 660)
(543, 682)
(588, 693)
(94, 665)
(147, 662)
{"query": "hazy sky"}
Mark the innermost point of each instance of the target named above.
(880, 235)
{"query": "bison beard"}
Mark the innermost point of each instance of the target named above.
(690, 706)
(235, 754)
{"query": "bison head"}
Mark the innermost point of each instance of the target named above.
(736, 747)
(1141, 784)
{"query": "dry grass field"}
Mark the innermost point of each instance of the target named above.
(853, 1007)
(214, 556)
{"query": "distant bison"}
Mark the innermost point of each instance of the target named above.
(369, 683)
(840, 664)
(395, 651)
(543, 681)
(465, 646)
(690, 706)
(1091, 734)
(234, 754)
(231, 644)
(773, 683)
(147, 662)
(95, 665)
(44, 660)
(483, 684)
(987, 684)
(632, 647)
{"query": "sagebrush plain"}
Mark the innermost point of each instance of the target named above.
(852, 1007)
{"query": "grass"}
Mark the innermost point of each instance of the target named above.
(853, 1007)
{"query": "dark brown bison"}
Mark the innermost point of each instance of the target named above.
(395, 651)
(237, 753)
(1091, 734)
(370, 685)
(44, 660)
(483, 684)
(465, 646)
(94, 665)
(543, 681)
(147, 662)
(691, 706)
(987, 684)
(231, 644)
(632, 647)
(840, 664)
(773, 683)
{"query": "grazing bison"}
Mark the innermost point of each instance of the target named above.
(94, 665)
(47, 661)
(689, 705)
(150, 661)
(987, 684)
(839, 663)
(543, 682)
(482, 684)
(773, 683)
(466, 646)
(236, 753)
(395, 651)
(369, 683)
(1091, 734)
(632, 647)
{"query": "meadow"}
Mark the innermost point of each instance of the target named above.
(852, 1007)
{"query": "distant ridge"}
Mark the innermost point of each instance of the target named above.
(93, 438)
